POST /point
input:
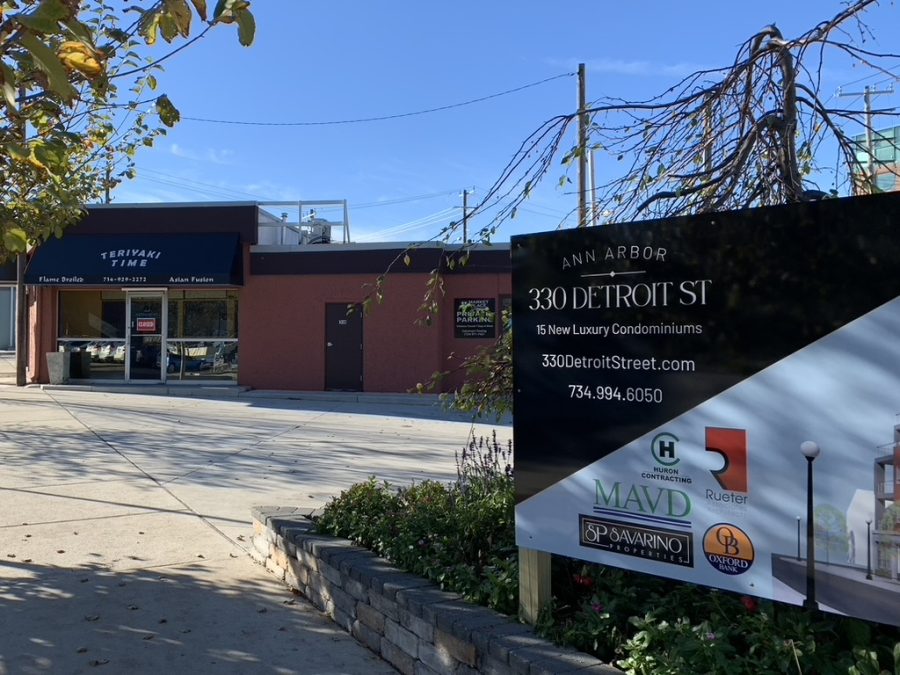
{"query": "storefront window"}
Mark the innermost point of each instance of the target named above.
(92, 327)
(201, 342)
(202, 335)
(203, 314)
(91, 314)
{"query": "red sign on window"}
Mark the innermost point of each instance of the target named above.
(146, 325)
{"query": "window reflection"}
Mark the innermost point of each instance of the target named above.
(199, 359)
(91, 314)
(203, 314)
(201, 344)
(95, 359)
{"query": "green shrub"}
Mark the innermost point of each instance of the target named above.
(459, 535)
(652, 626)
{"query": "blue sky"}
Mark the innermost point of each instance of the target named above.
(349, 59)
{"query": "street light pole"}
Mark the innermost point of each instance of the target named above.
(868, 548)
(798, 538)
(810, 451)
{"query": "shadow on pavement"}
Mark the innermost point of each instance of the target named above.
(72, 621)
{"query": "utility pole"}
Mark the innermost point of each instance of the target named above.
(708, 138)
(867, 95)
(582, 147)
(21, 313)
(106, 182)
(595, 216)
(465, 217)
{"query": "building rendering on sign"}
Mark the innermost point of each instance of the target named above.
(886, 523)
(234, 294)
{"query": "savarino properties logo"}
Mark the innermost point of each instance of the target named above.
(640, 541)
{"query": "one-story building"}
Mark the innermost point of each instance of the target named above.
(233, 294)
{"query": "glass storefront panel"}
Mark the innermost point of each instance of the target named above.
(95, 359)
(93, 323)
(203, 314)
(202, 335)
(200, 344)
(92, 314)
(202, 360)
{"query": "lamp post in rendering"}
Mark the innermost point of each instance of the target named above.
(798, 538)
(868, 548)
(810, 451)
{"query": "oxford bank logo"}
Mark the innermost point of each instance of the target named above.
(733, 476)
(728, 549)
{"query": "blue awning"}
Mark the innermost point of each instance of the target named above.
(138, 260)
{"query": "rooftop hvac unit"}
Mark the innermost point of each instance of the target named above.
(316, 232)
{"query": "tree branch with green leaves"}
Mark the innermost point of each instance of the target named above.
(78, 80)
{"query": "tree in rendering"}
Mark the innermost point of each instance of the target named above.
(78, 97)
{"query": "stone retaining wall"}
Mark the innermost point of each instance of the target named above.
(408, 621)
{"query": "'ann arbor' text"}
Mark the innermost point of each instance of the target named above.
(618, 296)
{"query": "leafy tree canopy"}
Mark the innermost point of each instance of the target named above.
(78, 97)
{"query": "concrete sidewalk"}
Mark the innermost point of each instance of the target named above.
(125, 525)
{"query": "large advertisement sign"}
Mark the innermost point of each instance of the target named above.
(667, 373)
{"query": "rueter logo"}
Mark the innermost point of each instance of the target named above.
(731, 445)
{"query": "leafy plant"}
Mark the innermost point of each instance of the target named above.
(77, 83)
(651, 626)
(459, 535)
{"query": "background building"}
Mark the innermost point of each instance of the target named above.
(234, 294)
(885, 157)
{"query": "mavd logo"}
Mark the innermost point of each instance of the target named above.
(643, 499)
(731, 444)
(663, 448)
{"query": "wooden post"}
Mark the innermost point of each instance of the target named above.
(534, 583)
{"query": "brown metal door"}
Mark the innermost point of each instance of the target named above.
(343, 348)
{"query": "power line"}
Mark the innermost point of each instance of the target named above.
(198, 186)
(189, 188)
(382, 118)
(189, 182)
(419, 223)
(876, 74)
